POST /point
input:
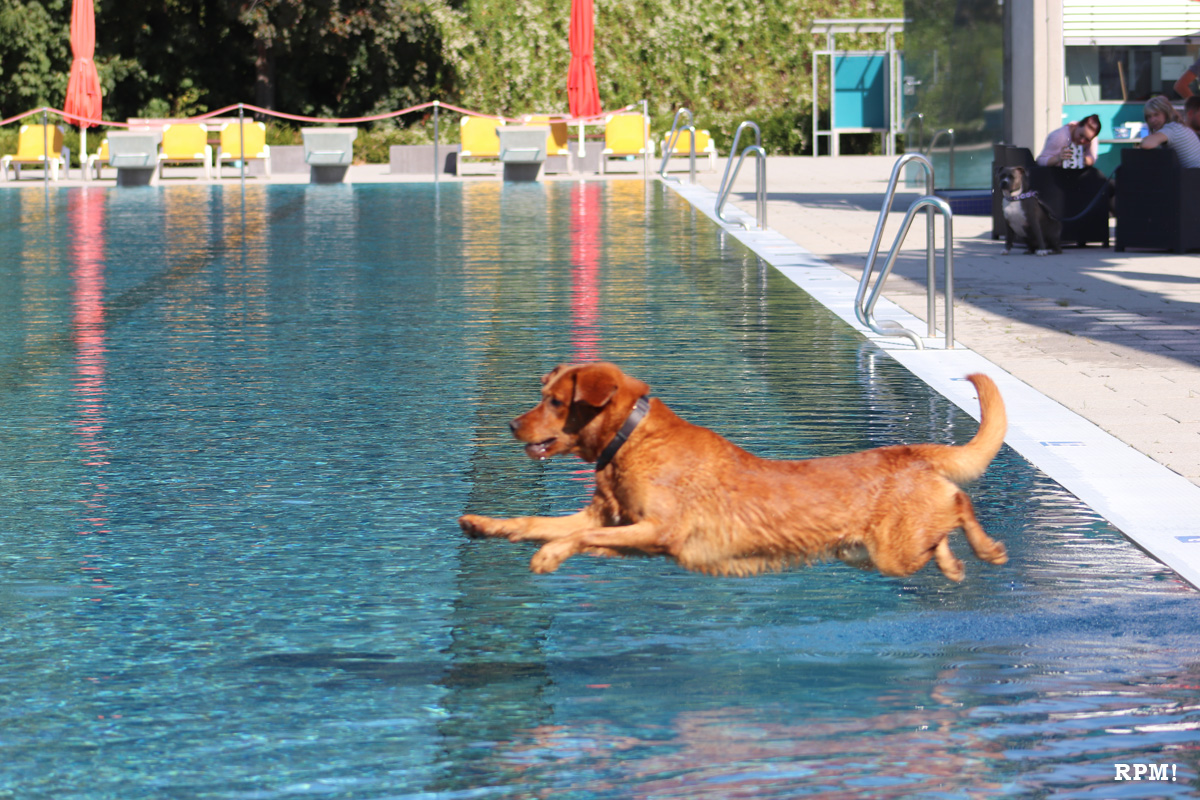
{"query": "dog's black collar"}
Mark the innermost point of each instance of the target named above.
(640, 409)
(1026, 195)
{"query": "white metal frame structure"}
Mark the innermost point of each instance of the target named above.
(894, 112)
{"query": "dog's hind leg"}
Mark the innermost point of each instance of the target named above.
(947, 562)
(985, 547)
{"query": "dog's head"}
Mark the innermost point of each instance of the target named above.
(582, 408)
(1012, 181)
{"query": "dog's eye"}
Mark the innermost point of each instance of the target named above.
(556, 403)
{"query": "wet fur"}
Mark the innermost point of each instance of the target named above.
(682, 491)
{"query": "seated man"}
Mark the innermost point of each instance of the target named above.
(1060, 147)
(1191, 113)
(1166, 129)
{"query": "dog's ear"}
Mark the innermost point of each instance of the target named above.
(550, 375)
(596, 385)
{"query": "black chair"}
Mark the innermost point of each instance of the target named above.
(1067, 192)
(1158, 202)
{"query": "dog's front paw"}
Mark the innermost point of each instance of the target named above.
(1007, 250)
(550, 557)
(478, 527)
(1042, 252)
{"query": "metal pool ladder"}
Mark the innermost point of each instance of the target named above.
(864, 305)
(760, 176)
(672, 138)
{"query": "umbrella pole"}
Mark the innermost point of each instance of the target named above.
(45, 150)
(242, 143)
(83, 150)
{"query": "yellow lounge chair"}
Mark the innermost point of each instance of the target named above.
(96, 160)
(31, 150)
(625, 135)
(185, 143)
(558, 143)
(683, 149)
(254, 134)
(479, 140)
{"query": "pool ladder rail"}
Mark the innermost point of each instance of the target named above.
(864, 303)
(673, 138)
(760, 177)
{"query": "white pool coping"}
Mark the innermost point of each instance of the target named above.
(1156, 508)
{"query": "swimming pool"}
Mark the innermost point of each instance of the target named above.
(238, 429)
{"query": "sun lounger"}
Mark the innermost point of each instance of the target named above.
(683, 149)
(95, 161)
(134, 154)
(253, 135)
(31, 151)
(523, 151)
(558, 142)
(185, 143)
(329, 152)
(625, 137)
(479, 140)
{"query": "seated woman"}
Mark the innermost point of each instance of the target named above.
(1166, 129)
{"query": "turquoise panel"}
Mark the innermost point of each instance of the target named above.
(859, 91)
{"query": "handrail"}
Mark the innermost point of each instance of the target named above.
(737, 135)
(920, 118)
(892, 328)
(760, 175)
(672, 138)
(861, 309)
(933, 141)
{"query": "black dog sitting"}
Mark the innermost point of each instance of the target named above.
(1027, 216)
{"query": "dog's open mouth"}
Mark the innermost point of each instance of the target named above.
(539, 450)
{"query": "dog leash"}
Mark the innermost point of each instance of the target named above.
(640, 409)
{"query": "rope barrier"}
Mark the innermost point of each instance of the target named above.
(74, 119)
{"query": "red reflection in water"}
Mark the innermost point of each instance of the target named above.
(585, 271)
(85, 212)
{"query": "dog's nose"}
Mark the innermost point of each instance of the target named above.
(512, 426)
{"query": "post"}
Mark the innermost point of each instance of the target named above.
(45, 150)
(241, 142)
(930, 269)
(436, 169)
(645, 139)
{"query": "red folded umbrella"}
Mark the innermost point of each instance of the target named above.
(583, 95)
(83, 88)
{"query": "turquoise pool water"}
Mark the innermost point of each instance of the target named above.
(237, 430)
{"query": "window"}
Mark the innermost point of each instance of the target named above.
(1130, 73)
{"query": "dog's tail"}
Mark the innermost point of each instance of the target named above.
(967, 462)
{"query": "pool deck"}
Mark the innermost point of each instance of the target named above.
(1097, 352)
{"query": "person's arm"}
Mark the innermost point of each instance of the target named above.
(1153, 140)
(1051, 150)
(1091, 152)
(1183, 86)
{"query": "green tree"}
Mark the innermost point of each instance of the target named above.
(34, 54)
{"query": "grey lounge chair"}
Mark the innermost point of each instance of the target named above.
(134, 154)
(329, 152)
